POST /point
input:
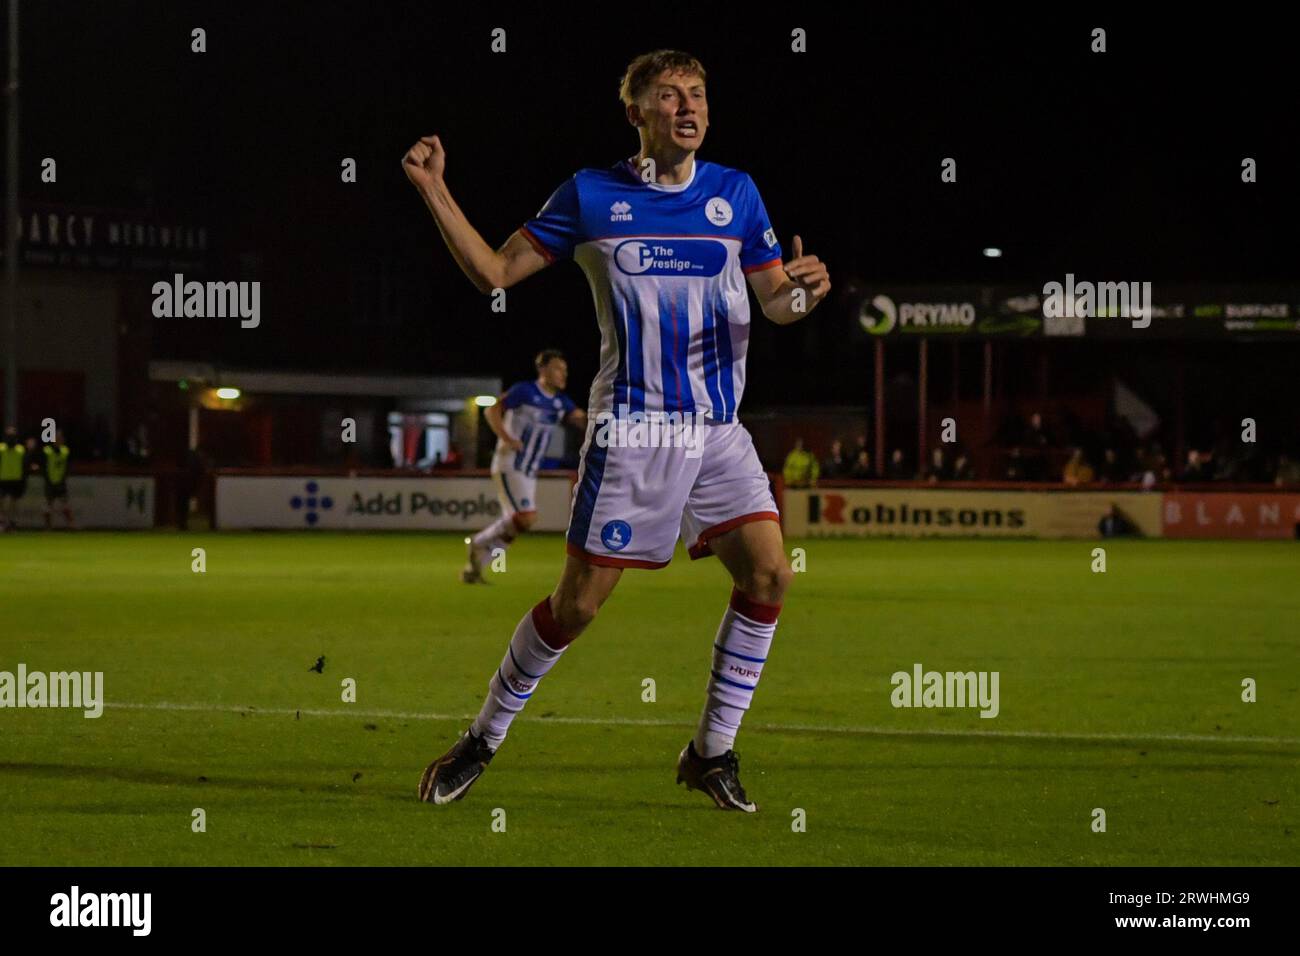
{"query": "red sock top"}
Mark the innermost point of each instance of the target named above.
(742, 603)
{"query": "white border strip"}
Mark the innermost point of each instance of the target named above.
(772, 728)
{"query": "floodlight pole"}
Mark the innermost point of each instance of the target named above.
(879, 383)
(11, 223)
(922, 402)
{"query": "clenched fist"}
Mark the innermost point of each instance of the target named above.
(425, 162)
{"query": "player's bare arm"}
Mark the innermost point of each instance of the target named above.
(775, 288)
(496, 422)
(577, 418)
(424, 165)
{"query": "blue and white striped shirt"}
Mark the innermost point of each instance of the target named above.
(534, 418)
(667, 269)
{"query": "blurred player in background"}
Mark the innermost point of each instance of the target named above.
(525, 420)
(667, 244)
(14, 464)
(55, 473)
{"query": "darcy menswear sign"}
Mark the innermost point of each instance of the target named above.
(82, 237)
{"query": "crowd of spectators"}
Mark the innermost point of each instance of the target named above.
(945, 463)
(1034, 450)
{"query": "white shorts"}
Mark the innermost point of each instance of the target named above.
(516, 491)
(630, 504)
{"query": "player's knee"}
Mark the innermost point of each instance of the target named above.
(768, 581)
(525, 520)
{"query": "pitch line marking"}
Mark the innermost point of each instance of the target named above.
(774, 728)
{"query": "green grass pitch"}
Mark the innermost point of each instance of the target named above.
(1119, 690)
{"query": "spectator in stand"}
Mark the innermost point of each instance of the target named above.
(801, 470)
(897, 469)
(962, 469)
(862, 467)
(1228, 460)
(938, 469)
(836, 464)
(861, 446)
(1037, 442)
(1110, 471)
(1015, 470)
(1198, 467)
(1288, 472)
(1077, 470)
(453, 457)
(1036, 435)
(1152, 467)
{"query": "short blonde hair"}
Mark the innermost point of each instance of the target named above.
(645, 69)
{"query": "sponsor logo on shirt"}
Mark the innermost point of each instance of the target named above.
(670, 257)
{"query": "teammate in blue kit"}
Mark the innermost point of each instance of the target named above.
(668, 244)
(525, 421)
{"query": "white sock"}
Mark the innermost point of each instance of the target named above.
(739, 653)
(527, 660)
(498, 534)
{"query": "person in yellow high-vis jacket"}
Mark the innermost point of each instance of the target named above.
(13, 477)
(56, 479)
(801, 469)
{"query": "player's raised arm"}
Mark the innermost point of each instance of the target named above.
(424, 164)
(776, 288)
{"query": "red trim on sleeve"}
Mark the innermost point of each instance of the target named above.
(701, 548)
(743, 604)
(769, 264)
(537, 244)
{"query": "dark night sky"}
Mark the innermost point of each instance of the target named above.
(1120, 165)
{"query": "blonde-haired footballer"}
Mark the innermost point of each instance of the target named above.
(668, 243)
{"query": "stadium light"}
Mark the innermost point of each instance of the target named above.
(993, 252)
(228, 393)
(485, 401)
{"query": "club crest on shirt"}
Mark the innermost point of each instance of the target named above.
(718, 211)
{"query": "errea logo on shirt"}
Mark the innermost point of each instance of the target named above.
(620, 212)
